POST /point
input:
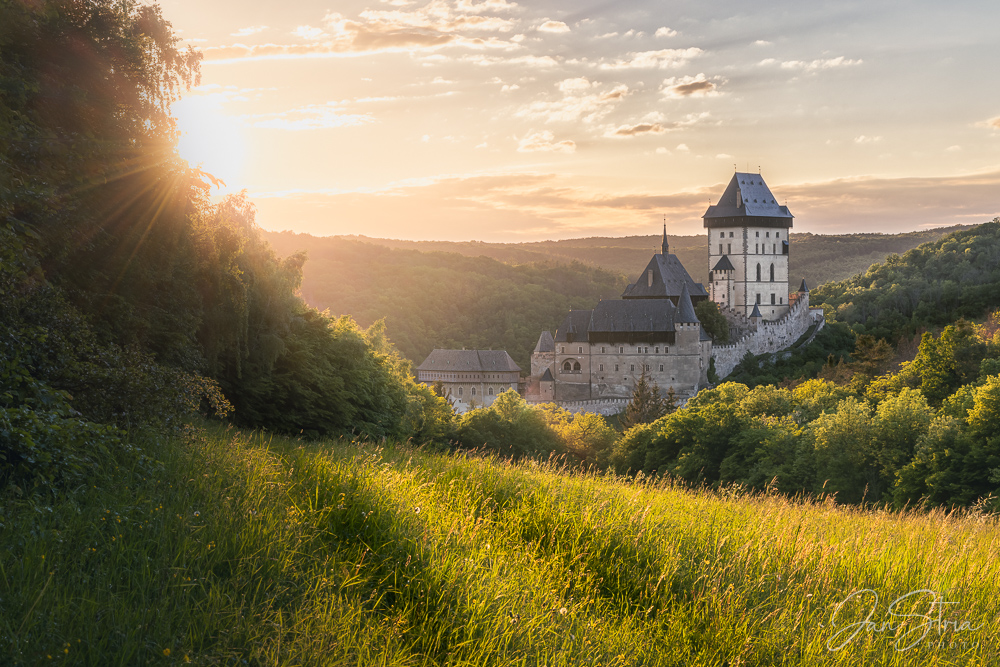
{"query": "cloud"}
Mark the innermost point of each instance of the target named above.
(574, 85)
(761, 42)
(689, 86)
(544, 141)
(308, 32)
(953, 149)
(665, 32)
(473, 7)
(636, 130)
(867, 140)
(553, 26)
(246, 32)
(310, 117)
(992, 123)
(811, 66)
(662, 59)
(587, 108)
(430, 27)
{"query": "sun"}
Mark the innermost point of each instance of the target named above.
(210, 140)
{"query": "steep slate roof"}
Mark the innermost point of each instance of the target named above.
(802, 287)
(724, 264)
(577, 322)
(685, 309)
(756, 312)
(634, 315)
(669, 276)
(545, 343)
(466, 361)
(753, 201)
(547, 376)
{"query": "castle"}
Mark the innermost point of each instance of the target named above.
(596, 356)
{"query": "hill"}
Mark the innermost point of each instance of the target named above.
(439, 299)
(235, 548)
(819, 258)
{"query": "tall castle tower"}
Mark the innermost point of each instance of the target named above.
(748, 248)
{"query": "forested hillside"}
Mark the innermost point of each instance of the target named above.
(819, 258)
(446, 300)
(127, 298)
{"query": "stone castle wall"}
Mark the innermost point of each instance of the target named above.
(768, 336)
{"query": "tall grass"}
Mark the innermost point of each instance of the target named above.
(242, 549)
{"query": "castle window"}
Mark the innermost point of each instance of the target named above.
(661, 368)
(632, 367)
(774, 248)
(666, 349)
(491, 391)
(567, 366)
(601, 368)
(767, 234)
(621, 350)
(722, 235)
(777, 235)
(772, 301)
(459, 391)
(758, 273)
(656, 349)
(772, 273)
(758, 234)
(576, 366)
(758, 298)
(729, 247)
(730, 235)
(638, 350)
(616, 367)
(473, 391)
(646, 367)
(720, 248)
(602, 350)
(772, 278)
(563, 349)
(781, 301)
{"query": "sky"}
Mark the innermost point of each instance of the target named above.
(499, 121)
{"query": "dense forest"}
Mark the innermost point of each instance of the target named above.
(127, 298)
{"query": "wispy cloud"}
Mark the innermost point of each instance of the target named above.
(810, 66)
(662, 59)
(864, 139)
(553, 26)
(636, 130)
(544, 141)
(251, 30)
(575, 107)
(310, 117)
(689, 86)
(992, 123)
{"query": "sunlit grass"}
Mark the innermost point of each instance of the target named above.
(246, 550)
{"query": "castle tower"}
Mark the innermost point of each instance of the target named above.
(748, 248)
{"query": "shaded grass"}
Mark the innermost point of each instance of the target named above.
(239, 549)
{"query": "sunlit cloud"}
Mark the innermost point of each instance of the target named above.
(689, 86)
(586, 108)
(636, 130)
(810, 66)
(662, 59)
(308, 32)
(761, 42)
(544, 141)
(863, 139)
(251, 30)
(574, 85)
(992, 123)
(540, 62)
(553, 26)
(473, 7)
(665, 32)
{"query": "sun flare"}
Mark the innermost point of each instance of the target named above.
(210, 140)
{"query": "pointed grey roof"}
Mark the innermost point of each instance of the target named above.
(669, 276)
(469, 361)
(704, 335)
(756, 312)
(748, 201)
(724, 264)
(802, 287)
(664, 246)
(547, 376)
(685, 309)
(545, 343)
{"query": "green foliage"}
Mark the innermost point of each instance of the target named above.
(834, 342)
(712, 321)
(647, 403)
(930, 286)
(509, 427)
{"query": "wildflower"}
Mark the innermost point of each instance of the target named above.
(563, 611)
(417, 510)
(166, 651)
(197, 513)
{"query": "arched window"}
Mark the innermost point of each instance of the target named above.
(459, 391)
(772, 273)
(473, 391)
(491, 391)
(567, 366)
(576, 366)
(758, 273)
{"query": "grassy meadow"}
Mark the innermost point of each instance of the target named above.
(236, 548)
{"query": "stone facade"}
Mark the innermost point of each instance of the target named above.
(471, 378)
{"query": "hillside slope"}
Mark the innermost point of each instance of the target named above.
(243, 549)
